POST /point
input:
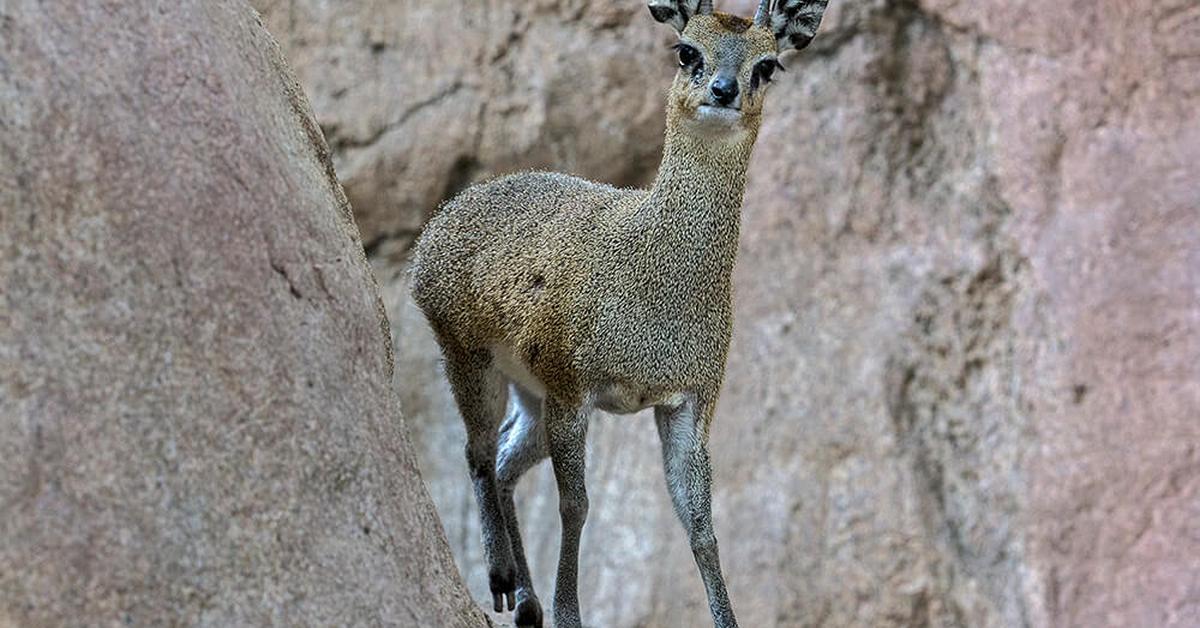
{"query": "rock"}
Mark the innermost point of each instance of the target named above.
(965, 376)
(420, 99)
(197, 424)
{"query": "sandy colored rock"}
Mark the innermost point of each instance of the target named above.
(197, 425)
(419, 99)
(964, 385)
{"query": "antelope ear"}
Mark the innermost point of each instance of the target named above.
(795, 22)
(674, 12)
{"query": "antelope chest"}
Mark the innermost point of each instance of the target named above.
(659, 346)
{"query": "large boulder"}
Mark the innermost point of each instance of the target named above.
(419, 99)
(965, 378)
(197, 424)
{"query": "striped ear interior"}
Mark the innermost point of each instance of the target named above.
(795, 22)
(673, 12)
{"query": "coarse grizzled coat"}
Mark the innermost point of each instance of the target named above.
(576, 295)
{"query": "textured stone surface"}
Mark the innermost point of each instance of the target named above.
(964, 387)
(197, 425)
(419, 99)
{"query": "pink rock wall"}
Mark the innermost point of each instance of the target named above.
(197, 423)
(964, 384)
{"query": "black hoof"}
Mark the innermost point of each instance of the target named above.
(498, 601)
(504, 587)
(529, 614)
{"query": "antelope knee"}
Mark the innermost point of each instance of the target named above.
(573, 507)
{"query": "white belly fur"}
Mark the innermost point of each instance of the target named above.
(515, 370)
(614, 397)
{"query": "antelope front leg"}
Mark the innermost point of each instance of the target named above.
(566, 435)
(684, 434)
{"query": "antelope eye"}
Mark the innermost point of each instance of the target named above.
(688, 55)
(765, 69)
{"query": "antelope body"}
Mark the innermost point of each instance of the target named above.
(570, 296)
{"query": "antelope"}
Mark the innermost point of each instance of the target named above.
(568, 296)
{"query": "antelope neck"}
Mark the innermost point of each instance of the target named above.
(699, 186)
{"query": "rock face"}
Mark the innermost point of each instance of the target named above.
(197, 424)
(419, 99)
(964, 386)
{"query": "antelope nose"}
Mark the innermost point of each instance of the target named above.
(724, 90)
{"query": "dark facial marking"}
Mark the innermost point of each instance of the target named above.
(763, 71)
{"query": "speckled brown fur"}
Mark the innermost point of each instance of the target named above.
(590, 296)
(602, 254)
